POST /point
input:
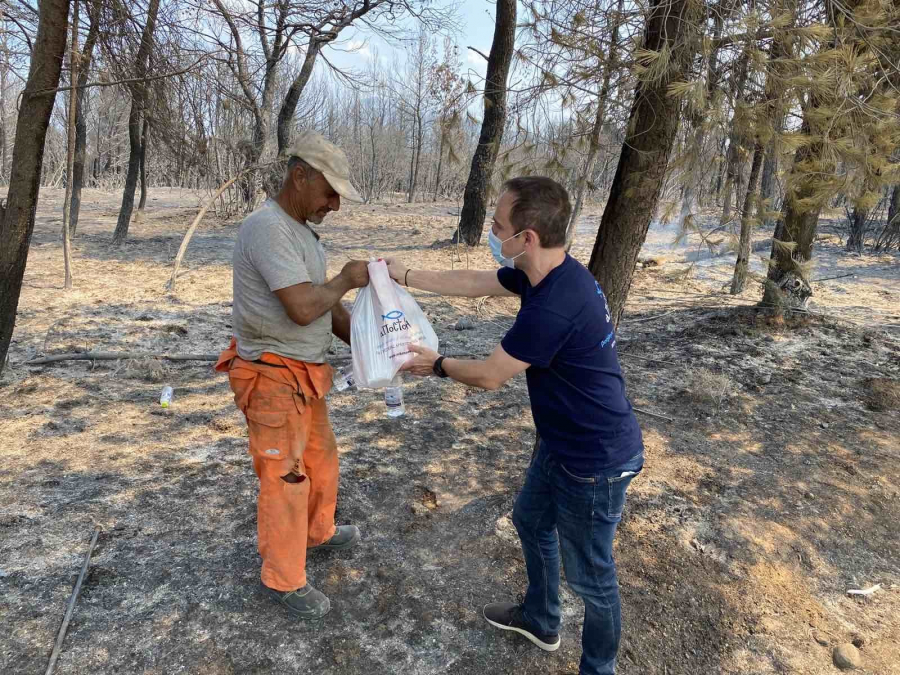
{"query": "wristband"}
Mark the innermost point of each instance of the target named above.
(438, 367)
(405, 278)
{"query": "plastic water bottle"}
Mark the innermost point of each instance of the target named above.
(343, 378)
(165, 398)
(393, 398)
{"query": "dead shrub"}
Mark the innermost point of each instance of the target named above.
(881, 393)
(175, 329)
(706, 387)
(147, 369)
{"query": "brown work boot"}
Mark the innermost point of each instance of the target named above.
(305, 603)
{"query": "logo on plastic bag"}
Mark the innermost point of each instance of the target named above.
(398, 323)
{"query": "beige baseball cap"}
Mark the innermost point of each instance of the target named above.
(328, 158)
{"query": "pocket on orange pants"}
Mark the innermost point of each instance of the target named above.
(270, 436)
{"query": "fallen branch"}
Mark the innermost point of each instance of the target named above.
(116, 356)
(649, 318)
(652, 414)
(840, 276)
(71, 607)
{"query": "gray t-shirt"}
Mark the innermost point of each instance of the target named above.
(275, 251)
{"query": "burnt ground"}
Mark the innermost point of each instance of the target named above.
(772, 489)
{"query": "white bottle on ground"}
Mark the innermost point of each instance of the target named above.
(165, 398)
(343, 378)
(393, 398)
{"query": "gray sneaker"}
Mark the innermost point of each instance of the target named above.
(305, 603)
(345, 536)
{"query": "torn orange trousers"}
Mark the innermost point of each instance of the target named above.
(283, 401)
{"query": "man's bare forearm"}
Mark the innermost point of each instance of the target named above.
(470, 372)
(327, 296)
(304, 303)
(461, 283)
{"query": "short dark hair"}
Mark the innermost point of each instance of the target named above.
(541, 204)
(294, 161)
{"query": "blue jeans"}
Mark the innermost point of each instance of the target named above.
(584, 511)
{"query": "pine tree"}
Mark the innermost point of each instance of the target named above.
(848, 131)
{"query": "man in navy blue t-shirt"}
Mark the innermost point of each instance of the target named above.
(591, 445)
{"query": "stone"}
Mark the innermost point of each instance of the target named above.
(505, 530)
(846, 657)
(764, 378)
(820, 639)
(464, 323)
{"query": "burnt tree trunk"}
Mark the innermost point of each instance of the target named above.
(36, 105)
(437, 177)
(653, 125)
(81, 118)
(70, 149)
(894, 207)
(696, 170)
(292, 98)
(858, 221)
(145, 132)
(890, 234)
(735, 138)
(742, 265)
(767, 182)
(135, 117)
(590, 161)
(471, 221)
(420, 141)
(594, 142)
(2, 122)
(787, 285)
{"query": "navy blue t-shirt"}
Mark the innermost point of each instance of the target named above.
(564, 331)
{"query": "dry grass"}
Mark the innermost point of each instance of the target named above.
(708, 387)
(148, 369)
(882, 393)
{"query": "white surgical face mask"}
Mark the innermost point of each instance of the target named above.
(497, 249)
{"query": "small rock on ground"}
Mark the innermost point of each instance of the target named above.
(846, 657)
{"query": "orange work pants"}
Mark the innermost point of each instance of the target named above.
(295, 457)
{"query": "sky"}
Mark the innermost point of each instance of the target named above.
(476, 19)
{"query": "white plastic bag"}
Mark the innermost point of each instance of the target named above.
(384, 322)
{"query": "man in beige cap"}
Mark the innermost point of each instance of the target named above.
(283, 317)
